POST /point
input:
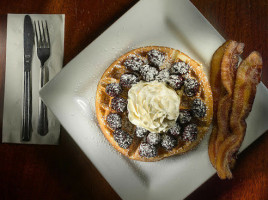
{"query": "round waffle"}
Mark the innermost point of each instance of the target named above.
(113, 74)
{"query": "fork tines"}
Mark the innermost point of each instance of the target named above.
(42, 36)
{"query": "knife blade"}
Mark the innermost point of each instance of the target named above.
(28, 38)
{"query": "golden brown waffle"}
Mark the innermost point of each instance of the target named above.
(113, 74)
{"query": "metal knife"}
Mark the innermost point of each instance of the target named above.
(27, 95)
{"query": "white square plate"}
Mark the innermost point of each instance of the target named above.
(71, 97)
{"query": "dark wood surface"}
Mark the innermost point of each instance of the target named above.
(64, 172)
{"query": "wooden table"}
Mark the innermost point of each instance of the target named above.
(64, 172)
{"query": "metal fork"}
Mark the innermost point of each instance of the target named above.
(43, 53)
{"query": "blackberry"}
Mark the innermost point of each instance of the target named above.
(141, 132)
(113, 89)
(191, 87)
(114, 121)
(119, 104)
(153, 138)
(162, 76)
(180, 68)
(168, 142)
(199, 108)
(156, 58)
(147, 150)
(123, 139)
(175, 81)
(148, 73)
(184, 116)
(127, 80)
(175, 130)
(133, 63)
(190, 132)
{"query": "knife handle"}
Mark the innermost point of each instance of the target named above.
(27, 108)
(42, 128)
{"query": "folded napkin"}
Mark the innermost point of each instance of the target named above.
(14, 79)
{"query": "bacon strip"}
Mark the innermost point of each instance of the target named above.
(215, 83)
(215, 74)
(247, 78)
(216, 87)
(228, 73)
(223, 70)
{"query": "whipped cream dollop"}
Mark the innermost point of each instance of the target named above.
(153, 106)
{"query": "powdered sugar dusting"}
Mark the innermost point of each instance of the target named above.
(141, 132)
(147, 150)
(175, 130)
(148, 73)
(180, 68)
(168, 142)
(185, 116)
(163, 75)
(123, 139)
(191, 87)
(153, 138)
(114, 121)
(156, 57)
(133, 63)
(190, 132)
(119, 104)
(199, 108)
(175, 81)
(127, 80)
(113, 89)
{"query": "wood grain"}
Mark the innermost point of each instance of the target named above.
(64, 172)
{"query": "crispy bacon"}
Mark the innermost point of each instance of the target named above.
(215, 82)
(223, 71)
(247, 78)
(228, 73)
(215, 74)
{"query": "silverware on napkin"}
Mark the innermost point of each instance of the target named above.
(43, 53)
(27, 95)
